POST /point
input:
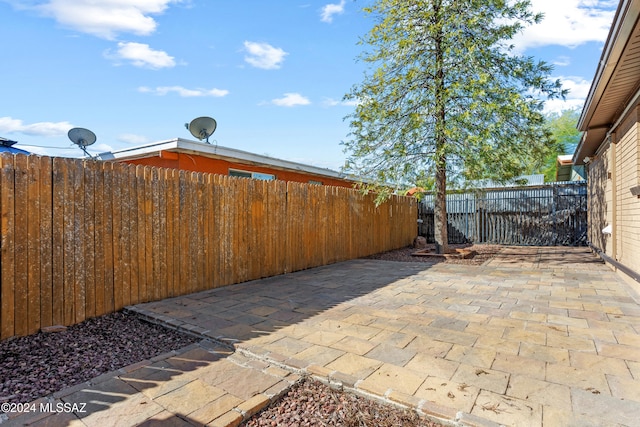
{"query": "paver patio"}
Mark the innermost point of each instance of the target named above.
(538, 336)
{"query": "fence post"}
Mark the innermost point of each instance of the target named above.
(554, 202)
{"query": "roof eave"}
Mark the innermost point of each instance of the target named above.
(194, 147)
(621, 29)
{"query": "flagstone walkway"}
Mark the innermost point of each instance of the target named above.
(535, 337)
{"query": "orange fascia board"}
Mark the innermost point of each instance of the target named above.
(169, 155)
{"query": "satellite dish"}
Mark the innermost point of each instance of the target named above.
(82, 138)
(202, 128)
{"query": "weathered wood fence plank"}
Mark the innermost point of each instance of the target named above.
(89, 231)
(78, 286)
(98, 247)
(20, 246)
(33, 245)
(81, 238)
(7, 266)
(57, 285)
(46, 241)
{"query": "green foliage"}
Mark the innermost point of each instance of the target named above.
(444, 88)
(564, 130)
(565, 135)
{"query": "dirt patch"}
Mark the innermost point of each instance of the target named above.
(483, 253)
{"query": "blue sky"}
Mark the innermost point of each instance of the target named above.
(272, 73)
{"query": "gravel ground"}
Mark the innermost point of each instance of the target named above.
(311, 403)
(43, 363)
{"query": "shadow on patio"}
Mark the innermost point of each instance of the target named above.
(555, 343)
(252, 309)
(536, 336)
(206, 381)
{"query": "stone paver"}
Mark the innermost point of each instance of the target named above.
(594, 405)
(536, 336)
(190, 397)
(353, 364)
(391, 377)
(507, 410)
(125, 405)
(460, 396)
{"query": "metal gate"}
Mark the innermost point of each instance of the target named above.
(553, 214)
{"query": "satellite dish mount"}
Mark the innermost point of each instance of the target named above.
(202, 128)
(82, 138)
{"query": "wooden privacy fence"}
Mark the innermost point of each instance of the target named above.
(554, 214)
(81, 238)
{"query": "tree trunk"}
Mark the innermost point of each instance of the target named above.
(440, 210)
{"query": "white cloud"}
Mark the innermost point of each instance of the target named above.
(578, 86)
(291, 100)
(562, 61)
(184, 92)
(578, 92)
(100, 148)
(131, 138)
(106, 18)
(11, 125)
(331, 9)
(263, 55)
(330, 102)
(568, 23)
(41, 151)
(141, 55)
(559, 105)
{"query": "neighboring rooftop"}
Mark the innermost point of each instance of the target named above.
(179, 145)
(566, 171)
(7, 146)
(519, 181)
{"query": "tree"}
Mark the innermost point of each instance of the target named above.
(566, 136)
(446, 97)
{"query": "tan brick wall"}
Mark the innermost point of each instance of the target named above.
(614, 170)
(628, 206)
(599, 201)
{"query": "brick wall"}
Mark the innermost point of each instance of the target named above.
(614, 170)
